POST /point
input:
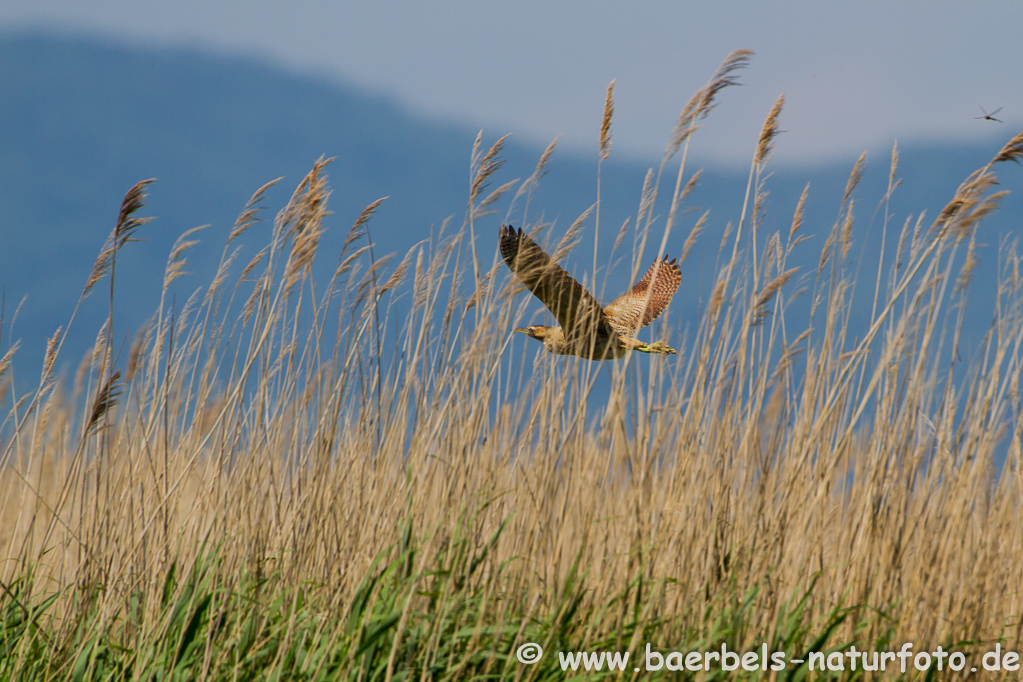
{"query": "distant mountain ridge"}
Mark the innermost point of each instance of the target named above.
(81, 121)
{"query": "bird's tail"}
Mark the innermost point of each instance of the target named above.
(656, 347)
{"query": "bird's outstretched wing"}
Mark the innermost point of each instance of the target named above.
(640, 305)
(575, 309)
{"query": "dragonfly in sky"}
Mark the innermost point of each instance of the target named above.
(989, 117)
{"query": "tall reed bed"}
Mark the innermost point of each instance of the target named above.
(367, 477)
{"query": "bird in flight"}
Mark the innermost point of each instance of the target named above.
(989, 117)
(587, 329)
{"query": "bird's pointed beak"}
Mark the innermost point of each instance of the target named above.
(523, 330)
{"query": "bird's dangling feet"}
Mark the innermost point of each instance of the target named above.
(656, 347)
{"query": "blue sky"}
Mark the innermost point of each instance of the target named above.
(856, 75)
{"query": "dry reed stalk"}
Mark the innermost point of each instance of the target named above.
(846, 234)
(703, 101)
(605, 123)
(250, 214)
(104, 402)
(481, 208)
(622, 231)
(797, 217)
(123, 232)
(690, 185)
(484, 167)
(855, 176)
(527, 187)
(571, 237)
(176, 262)
(5, 361)
(357, 229)
(768, 132)
(1012, 151)
(302, 221)
(694, 234)
(50, 356)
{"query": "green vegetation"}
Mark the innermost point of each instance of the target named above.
(369, 480)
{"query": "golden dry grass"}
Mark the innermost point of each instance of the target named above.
(306, 432)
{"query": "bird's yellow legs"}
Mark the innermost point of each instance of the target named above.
(655, 347)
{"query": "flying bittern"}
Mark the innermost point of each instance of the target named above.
(587, 329)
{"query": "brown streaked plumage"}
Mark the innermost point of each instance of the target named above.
(587, 329)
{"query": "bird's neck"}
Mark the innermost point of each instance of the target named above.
(554, 340)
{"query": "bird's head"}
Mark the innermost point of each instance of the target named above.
(535, 331)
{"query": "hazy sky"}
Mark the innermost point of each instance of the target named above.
(856, 75)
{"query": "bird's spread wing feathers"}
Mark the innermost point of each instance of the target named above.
(575, 309)
(640, 305)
